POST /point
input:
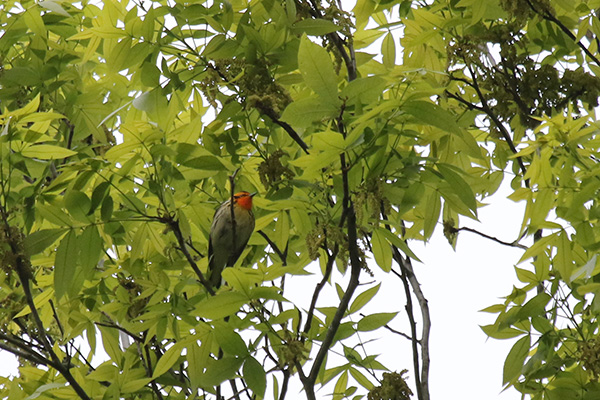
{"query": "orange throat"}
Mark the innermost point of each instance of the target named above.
(244, 200)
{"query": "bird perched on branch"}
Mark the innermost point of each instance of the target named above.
(227, 240)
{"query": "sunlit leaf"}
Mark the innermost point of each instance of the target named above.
(317, 70)
(375, 321)
(47, 152)
(381, 250)
(515, 359)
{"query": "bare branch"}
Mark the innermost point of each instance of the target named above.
(280, 254)
(288, 128)
(318, 288)
(174, 225)
(510, 244)
(407, 269)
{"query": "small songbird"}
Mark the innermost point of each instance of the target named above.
(223, 250)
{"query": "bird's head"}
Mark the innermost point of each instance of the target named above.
(244, 200)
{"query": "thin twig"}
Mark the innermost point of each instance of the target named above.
(282, 255)
(413, 331)
(510, 244)
(318, 288)
(488, 110)
(407, 269)
(174, 225)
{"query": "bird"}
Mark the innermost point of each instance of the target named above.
(223, 250)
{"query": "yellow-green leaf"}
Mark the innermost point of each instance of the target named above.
(47, 152)
(255, 376)
(363, 298)
(515, 359)
(317, 70)
(381, 250)
(388, 50)
(167, 360)
(65, 263)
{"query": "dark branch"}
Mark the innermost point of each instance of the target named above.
(288, 128)
(511, 244)
(549, 17)
(280, 254)
(174, 225)
(318, 288)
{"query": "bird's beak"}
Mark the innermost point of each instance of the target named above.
(252, 194)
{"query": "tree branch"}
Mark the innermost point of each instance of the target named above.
(280, 254)
(355, 268)
(174, 225)
(487, 109)
(318, 288)
(549, 17)
(22, 349)
(511, 244)
(288, 128)
(408, 271)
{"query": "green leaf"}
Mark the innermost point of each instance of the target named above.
(98, 195)
(526, 276)
(317, 70)
(361, 378)
(534, 307)
(167, 360)
(340, 387)
(302, 113)
(375, 321)
(218, 371)
(106, 209)
(54, 215)
(381, 250)
(563, 261)
(198, 356)
(459, 186)
(495, 332)
(44, 388)
(315, 27)
(399, 243)
(363, 298)
(65, 263)
(230, 341)
(221, 305)
(134, 385)
(433, 207)
(515, 359)
(91, 247)
(538, 247)
(78, 205)
(255, 376)
(38, 301)
(110, 343)
(47, 152)
(209, 163)
(366, 90)
(39, 241)
(388, 50)
(432, 114)
(282, 230)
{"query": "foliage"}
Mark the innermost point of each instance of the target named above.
(125, 124)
